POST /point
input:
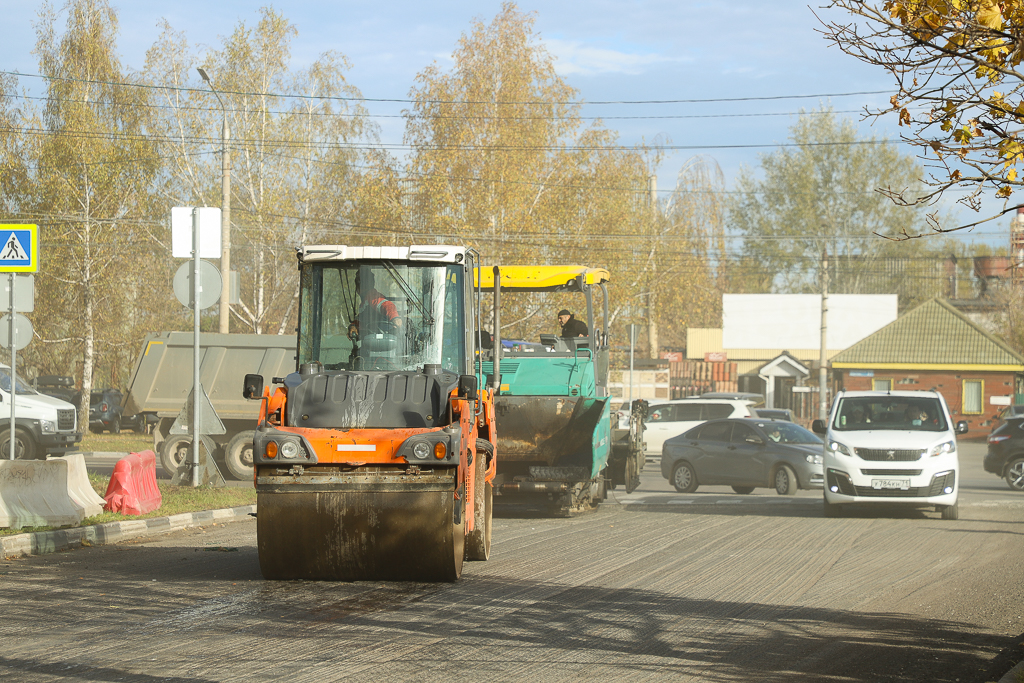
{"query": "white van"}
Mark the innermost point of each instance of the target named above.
(891, 447)
(44, 424)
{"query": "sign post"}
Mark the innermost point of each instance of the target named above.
(195, 232)
(19, 253)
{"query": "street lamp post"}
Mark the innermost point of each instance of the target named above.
(225, 210)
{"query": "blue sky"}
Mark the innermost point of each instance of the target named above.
(609, 50)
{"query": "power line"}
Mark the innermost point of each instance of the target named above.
(437, 148)
(340, 98)
(287, 112)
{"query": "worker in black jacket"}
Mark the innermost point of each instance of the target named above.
(571, 327)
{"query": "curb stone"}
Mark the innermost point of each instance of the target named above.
(43, 542)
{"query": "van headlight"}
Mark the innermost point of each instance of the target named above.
(48, 426)
(837, 447)
(942, 448)
(813, 459)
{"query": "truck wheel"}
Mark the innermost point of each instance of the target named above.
(176, 449)
(115, 425)
(478, 541)
(238, 455)
(24, 447)
(632, 471)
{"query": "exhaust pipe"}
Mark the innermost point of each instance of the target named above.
(496, 377)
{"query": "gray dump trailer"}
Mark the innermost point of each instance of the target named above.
(162, 380)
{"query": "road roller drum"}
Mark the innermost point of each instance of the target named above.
(357, 527)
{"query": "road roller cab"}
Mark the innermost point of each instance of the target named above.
(372, 461)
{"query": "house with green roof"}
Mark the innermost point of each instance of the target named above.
(935, 346)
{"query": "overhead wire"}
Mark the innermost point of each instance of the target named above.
(445, 117)
(750, 98)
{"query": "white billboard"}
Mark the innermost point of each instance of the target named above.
(793, 321)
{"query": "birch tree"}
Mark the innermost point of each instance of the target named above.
(502, 160)
(94, 169)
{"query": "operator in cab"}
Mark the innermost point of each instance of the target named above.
(571, 327)
(377, 314)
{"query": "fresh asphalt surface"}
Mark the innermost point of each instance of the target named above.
(655, 585)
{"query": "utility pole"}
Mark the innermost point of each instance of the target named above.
(823, 355)
(225, 214)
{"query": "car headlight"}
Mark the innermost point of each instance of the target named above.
(47, 426)
(837, 447)
(813, 459)
(942, 448)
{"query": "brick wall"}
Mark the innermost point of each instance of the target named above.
(950, 385)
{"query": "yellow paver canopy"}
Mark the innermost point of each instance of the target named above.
(543, 278)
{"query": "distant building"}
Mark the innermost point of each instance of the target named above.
(775, 339)
(935, 346)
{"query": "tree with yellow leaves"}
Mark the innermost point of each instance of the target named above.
(960, 89)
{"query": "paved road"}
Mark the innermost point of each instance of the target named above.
(656, 586)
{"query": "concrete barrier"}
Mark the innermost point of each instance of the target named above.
(54, 492)
(79, 489)
(132, 489)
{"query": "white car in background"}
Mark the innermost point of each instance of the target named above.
(891, 447)
(666, 419)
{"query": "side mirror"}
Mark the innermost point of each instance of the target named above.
(468, 387)
(961, 427)
(252, 387)
(754, 440)
(818, 427)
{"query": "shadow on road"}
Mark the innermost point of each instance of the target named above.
(529, 629)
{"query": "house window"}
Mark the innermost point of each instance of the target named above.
(974, 389)
(881, 384)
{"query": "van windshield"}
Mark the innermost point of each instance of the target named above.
(906, 413)
(23, 386)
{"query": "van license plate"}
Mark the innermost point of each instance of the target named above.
(900, 484)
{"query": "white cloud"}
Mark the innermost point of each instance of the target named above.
(577, 58)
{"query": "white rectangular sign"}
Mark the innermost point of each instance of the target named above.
(793, 321)
(209, 232)
(24, 293)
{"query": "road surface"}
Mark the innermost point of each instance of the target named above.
(653, 586)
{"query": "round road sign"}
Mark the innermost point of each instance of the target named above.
(209, 284)
(22, 331)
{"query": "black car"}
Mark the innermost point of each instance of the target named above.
(1006, 452)
(746, 454)
(105, 411)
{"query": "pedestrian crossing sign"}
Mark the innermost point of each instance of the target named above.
(19, 249)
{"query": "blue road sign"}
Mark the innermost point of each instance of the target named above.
(19, 249)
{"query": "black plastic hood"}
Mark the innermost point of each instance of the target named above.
(370, 400)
